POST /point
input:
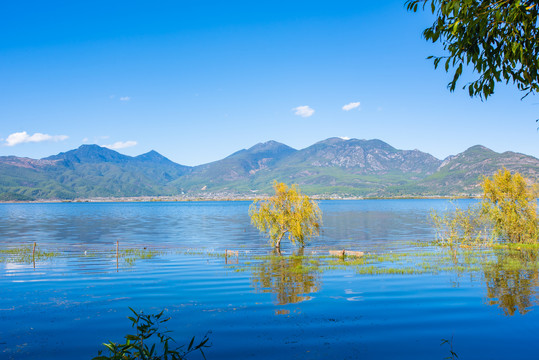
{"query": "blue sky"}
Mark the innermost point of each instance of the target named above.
(199, 80)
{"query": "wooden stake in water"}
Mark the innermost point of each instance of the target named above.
(117, 251)
(231, 253)
(33, 255)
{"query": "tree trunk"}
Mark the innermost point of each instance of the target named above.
(278, 243)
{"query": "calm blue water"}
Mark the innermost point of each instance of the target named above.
(68, 306)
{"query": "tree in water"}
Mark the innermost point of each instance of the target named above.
(507, 214)
(287, 212)
(511, 205)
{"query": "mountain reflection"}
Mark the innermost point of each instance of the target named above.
(512, 280)
(289, 278)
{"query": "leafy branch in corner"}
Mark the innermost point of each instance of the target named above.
(498, 38)
(143, 345)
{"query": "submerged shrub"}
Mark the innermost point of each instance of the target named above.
(508, 212)
(464, 227)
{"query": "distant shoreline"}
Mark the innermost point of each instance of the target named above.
(137, 199)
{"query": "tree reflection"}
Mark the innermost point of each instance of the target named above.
(512, 280)
(289, 278)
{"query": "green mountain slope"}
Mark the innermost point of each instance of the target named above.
(89, 171)
(237, 171)
(354, 167)
(331, 167)
(462, 174)
(19, 182)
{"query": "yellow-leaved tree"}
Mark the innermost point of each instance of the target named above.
(511, 205)
(507, 213)
(287, 212)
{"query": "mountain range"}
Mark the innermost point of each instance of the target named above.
(333, 167)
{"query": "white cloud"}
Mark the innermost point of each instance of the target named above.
(303, 111)
(125, 98)
(23, 137)
(121, 145)
(351, 106)
(344, 137)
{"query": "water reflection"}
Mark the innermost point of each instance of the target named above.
(289, 278)
(512, 280)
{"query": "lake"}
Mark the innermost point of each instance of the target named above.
(302, 305)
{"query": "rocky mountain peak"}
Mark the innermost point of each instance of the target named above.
(90, 154)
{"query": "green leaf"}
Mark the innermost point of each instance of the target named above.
(111, 346)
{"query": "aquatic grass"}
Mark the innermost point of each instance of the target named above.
(418, 243)
(26, 255)
(139, 253)
(509, 271)
(208, 253)
(517, 246)
(376, 270)
(473, 261)
(345, 263)
(130, 256)
(191, 252)
(389, 257)
(424, 262)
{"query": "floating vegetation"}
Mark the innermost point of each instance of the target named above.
(509, 271)
(512, 246)
(433, 262)
(211, 253)
(407, 263)
(130, 256)
(374, 270)
(29, 255)
(25, 255)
